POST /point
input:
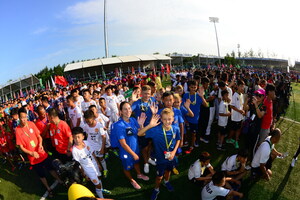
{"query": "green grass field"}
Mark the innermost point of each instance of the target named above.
(24, 184)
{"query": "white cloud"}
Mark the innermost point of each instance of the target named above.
(183, 26)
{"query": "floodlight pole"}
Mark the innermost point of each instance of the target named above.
(216, 20)
(105, 31)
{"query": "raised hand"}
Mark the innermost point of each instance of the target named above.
(201, 91)
(153, 108)
(134, 96)
(141, 119)
(154, 121)
(187, 103)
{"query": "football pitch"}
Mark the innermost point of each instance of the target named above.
(24, 184)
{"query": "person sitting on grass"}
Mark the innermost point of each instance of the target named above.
(83, 153)
(126, 132)
(234, 166)
(166, 140)
(264, 156)
(215, 188)
(201, 171)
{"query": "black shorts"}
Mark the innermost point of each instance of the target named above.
(194, 128)
(143, 142)
(62, 157)
(236, 125)
(222, 130)
(40, 167)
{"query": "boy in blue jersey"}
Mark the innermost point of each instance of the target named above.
(146, 105)
(168, 101)
(166, 140)
(197, 99)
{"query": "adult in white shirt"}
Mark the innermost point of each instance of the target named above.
(216, 188)
(201, 171)
(234, 166)
(264, 156)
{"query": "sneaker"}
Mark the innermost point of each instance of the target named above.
(293, 162)
(236, 145)
(204, 140)
(169, 186)
(106, 156)
(196, 144)
(115, 152)
(186, 144)
(230, 141)
(175, 171)
(146, 168)
(189, 150)
(135, 185)
(143, 177)
(152, 161)
(105, 172)
(154, 194)
(221, 148)
(105, 191)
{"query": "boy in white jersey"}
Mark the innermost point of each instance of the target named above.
(74, 113)
(112, 103)
(96, 137)
(78, 98)
(87, 100)
(82, 153)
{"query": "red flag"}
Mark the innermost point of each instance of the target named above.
(168, 68)
(230, 66)
(15, 96)
(117, 72)
(27, 94)
(60, 80)
(223, 66)
(208, 66)
(132, 70)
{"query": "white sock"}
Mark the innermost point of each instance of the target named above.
(99, 193)
(156, 189)
(103, 163)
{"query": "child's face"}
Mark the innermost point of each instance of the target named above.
(177, 103)
(225, 97)
(146, 95)
(78, 138)
(109, 92)
(193, 88)
(241, 88)
(102, 103)
(15, 117)
(168, 101)
(95, 96)
(167, 120)
(90, 121)
(70, 103)
(94, 110)
(86, 95)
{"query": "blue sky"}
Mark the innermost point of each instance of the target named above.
(35, 34)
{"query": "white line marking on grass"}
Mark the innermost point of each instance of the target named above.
(288, 119)
(52, 187)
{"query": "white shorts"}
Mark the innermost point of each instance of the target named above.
(93, 174)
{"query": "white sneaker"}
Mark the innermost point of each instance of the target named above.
(293, 162)
(146, 168)
(152, 162)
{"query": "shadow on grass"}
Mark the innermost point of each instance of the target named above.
(282, 185)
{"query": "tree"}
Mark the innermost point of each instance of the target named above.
(233, 54)
(230, 60)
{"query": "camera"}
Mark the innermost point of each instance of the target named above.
(69, 172)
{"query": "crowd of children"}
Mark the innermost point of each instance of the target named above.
(153, 124)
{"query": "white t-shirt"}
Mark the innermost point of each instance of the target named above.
(238, 102)
(196, 170)
(210, 191)
(85, 158)
(231, 164)
(94, 136)
(85, 105)
(223, 109)
(112, 103)
(229, 93)
(120, 98)
(74, 114)
(79, 101)
(262, 154)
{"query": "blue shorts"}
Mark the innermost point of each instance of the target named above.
(128, 162)
(166, 166)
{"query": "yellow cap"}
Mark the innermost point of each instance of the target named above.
(77, 191)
